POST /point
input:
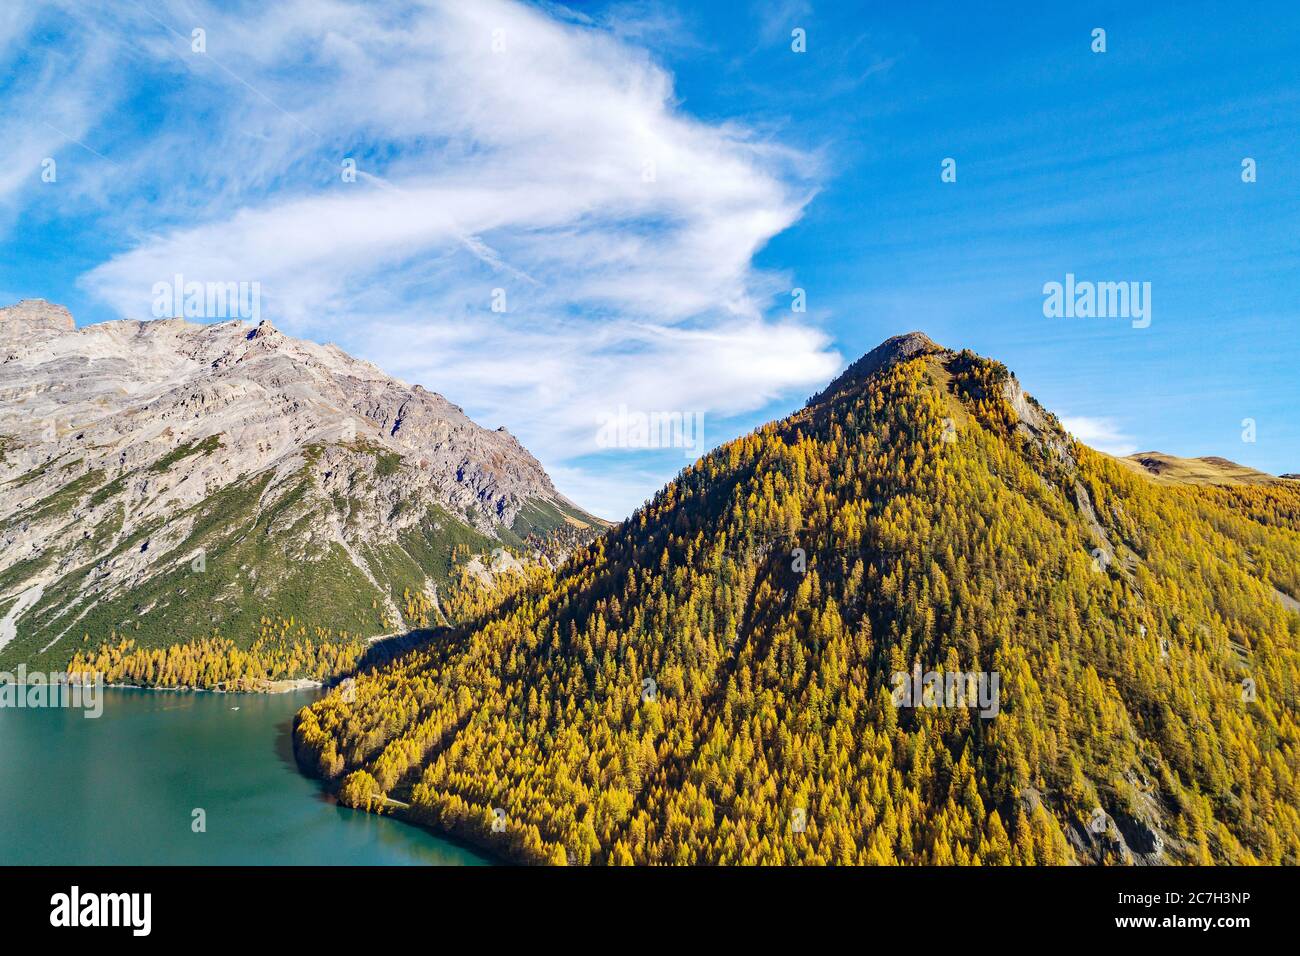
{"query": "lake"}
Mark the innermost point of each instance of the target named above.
(123, 788)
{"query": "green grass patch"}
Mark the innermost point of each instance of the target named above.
(65, 499)
(205, 447)
(387, 463)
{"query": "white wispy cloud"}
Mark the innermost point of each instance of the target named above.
(498, 147)
(1103, 434)
(46, 114)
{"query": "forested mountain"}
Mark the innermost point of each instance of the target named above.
(163, 482)
(716, 679)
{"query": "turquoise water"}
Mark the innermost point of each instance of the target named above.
(121, 789)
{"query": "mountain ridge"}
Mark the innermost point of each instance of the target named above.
(131, 432)
(1206, 469)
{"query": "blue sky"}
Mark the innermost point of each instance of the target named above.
(646, 184)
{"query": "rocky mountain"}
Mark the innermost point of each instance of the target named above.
(914, 622)
(163, 479)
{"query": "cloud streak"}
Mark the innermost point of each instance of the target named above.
(497, 148)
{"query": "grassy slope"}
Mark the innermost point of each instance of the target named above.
(1169, 469)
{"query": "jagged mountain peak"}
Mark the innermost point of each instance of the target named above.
(265, 330)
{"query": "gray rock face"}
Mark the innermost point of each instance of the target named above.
(123, 427)
(32, 319)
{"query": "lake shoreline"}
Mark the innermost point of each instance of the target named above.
(288, 686)
(407, 818)
(406, 814)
